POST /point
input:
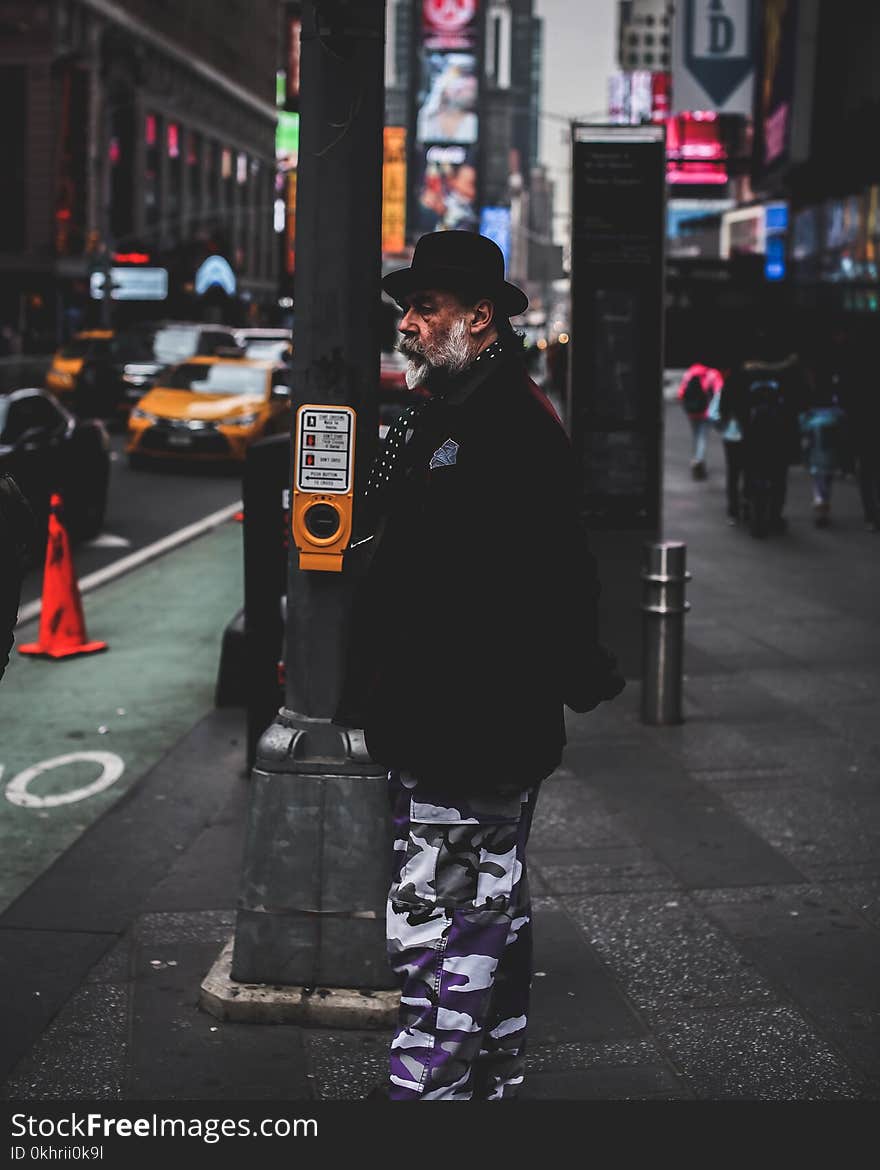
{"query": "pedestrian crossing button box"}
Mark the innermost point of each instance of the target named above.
(323, 485)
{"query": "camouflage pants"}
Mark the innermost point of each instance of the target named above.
(459, 938)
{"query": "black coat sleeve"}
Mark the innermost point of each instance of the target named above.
(17, 544)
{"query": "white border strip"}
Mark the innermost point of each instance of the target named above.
(139, 557)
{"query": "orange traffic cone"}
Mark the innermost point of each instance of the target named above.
(62, 626)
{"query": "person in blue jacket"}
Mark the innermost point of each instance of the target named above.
(822, 427)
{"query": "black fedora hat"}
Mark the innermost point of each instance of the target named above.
(458, 261)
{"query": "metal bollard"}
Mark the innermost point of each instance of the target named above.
(663, 605)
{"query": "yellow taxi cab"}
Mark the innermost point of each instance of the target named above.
(68, 359)
(209, 408)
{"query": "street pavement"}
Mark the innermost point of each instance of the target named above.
(146, 506)
(706, 895)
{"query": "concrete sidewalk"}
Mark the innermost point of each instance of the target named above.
(707, 897)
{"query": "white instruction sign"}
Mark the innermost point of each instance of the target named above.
(324, 449)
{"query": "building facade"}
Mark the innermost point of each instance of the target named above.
(141, 132)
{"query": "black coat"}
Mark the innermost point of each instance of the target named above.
(17, 545)
(476, 619)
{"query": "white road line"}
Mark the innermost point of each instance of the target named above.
(108, 540)
(141, 556)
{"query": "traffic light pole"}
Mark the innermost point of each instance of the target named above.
(315, 868)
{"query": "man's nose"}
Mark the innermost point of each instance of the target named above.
(406, 325)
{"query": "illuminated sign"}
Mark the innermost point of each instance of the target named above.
(448, 110)
(394, 189)
(447, 190)
(449, 23)
(757, 231)
(131, 284)
(777, 81)
(444, 154)
(131, 257)
(495, 223)
(694, 151)
(290, 225)
(216, 270)
(287, 140)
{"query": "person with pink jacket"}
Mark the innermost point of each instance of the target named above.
(696, 391)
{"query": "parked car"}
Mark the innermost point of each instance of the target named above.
(63, 373)
(46, 449)
(265, 344)
(210, 408)
(110, 384)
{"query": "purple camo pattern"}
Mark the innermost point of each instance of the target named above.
(460, 940)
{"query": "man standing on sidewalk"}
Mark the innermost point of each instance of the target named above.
(475, 624)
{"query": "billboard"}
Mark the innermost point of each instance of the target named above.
(287, 140)
(777, 83)
(448, 110)
(393, 189)
(449, 24)
(446, 189)
(290, 224)
(495, 224)
(444, 154)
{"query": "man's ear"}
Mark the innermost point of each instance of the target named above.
(482, 315)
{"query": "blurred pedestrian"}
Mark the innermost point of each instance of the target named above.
(696, 391)
(860, 399)
(765, 394)
(17, 546)
(465, 646)
(822, 427)
(734, 462)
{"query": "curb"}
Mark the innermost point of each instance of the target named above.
(320, 1007)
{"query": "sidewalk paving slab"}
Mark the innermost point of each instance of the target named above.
(707, 896)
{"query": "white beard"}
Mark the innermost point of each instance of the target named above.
(453, 353)
(416, 373)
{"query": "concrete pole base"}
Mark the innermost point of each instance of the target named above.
(317, 1007)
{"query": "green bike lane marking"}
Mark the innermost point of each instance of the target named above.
(164, 624)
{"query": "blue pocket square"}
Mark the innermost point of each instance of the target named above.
(445, 455)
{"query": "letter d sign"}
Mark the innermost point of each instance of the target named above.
(720, 33)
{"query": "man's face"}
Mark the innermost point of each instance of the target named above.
(435, 335)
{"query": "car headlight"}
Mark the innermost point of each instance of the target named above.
(239, 420)
(144, 414)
